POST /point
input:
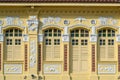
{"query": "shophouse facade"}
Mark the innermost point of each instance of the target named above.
(59, 40)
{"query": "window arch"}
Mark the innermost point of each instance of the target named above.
(106, 42)
(79, 49)
(52, 44)
(13, 42)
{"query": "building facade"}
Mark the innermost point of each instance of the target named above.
(60, 40)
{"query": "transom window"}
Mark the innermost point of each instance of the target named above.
(106, 33)
(52, 32)
(13, 34)
(79, 33)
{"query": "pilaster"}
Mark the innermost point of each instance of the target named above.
(65, 39)
(93, 47)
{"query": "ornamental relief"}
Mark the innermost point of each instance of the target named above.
(33, 54)
(13, 21)
(106, 68)
(32, 23)
(52, 68)
(12, 68)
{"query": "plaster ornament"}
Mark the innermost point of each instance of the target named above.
(13, 21)
(66, 30)
(118, 38)
(1, 37)
(25, 37)
(66, 22)
(80, 19)
(65, 38)
(12, 68)
(106, 68)
(1, 22)
(93, 38)
(93, 22)
(33, 23)
(114, 22)
(40, 37)
(103, 20)
(52, 68)
(93, 30)
(51, 20)
(0, 29)
(32, 53)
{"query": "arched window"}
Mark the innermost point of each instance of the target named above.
(52, 42)
(106, 44)
(79, 49)
(13, 42)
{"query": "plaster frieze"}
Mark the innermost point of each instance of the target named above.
(51, 20)
(52, 68)
(106, 68)
(12, 68)
(107, 21)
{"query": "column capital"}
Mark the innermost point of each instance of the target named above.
(25, 37)
(65, 37)
(40, 37)
(93, 37)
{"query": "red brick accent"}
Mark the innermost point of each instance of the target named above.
(65, 57)
(119, 58)
(39, 57)
(26, 57)
(0, 57)
(93, 58)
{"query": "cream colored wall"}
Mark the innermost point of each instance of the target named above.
(69, 13)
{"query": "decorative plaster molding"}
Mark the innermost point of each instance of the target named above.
(52, 68)
(118, 38)
(51, 20)
(25, 37)
(65, 37)
(93, 37)
(1, 37)
(32, 53)
(107, 21)
(33, 23)
(13, 21)
(106, 68)
(12, 68)
(1, 22)
(40, 37)
(80, 19)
